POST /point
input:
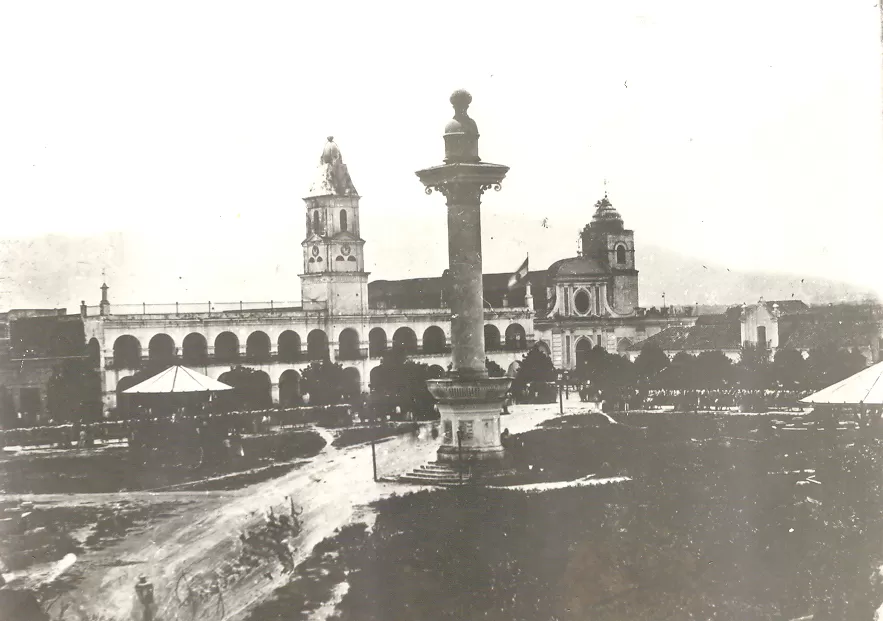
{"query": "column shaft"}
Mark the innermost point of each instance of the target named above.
(467, 291)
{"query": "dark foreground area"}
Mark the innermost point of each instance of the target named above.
(726, 517)
(119, 469)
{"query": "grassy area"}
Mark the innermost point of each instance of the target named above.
(713, 525)
(117, 469)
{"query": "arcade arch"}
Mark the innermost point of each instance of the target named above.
(434, 341)
(161, 349)
(377, 342)
(491, 337)
(194, 349)
(405, 339)
(516, 339)
(317, 345)
(226, 347)
(348, 344)
(289, 346)
(127, 352)
(257, 347)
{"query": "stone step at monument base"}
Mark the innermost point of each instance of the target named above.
(448, 474)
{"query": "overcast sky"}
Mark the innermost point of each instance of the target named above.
(172, 142)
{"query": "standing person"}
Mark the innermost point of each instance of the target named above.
(145, 606)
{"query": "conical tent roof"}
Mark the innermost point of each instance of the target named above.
(178, 379)
(864, 387)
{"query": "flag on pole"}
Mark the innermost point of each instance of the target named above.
(519, 277)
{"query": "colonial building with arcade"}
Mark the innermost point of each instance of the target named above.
(576, 304)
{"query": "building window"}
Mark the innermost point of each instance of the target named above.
(581, 302)
(620, 254)
(343, 219)
(316, 222)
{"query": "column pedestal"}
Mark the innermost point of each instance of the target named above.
(472, 408)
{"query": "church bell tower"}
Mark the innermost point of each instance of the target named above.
(334, 277)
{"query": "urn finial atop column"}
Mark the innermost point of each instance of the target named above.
(461, 132)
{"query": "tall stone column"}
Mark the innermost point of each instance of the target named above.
(469, 401)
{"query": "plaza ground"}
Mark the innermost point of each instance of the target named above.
(703, 515)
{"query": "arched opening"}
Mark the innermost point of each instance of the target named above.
(515, 337)
(317, 345)
(544, 347)
(761, 336)
(124, 401)
(289, 346)
(435, 372)
(251, 389)
(491, 337)
(93, 352)
(374, 378)
(309, 227)
(126, 352)
(583, 349)
(434, 340)
(581, 302)
(316, 222)
(226, 347)
(289, 388)
(343, 220)
(352, 384)
(161, 349)
(620, 254)
(376, 342)
(195, 349)
(404, 339)
(257, 347)
(348, 344)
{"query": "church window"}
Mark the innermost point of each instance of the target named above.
(351, 258)
(308, 225)
(620, 254)
(581, 302)
(339, 258)
(316, 222)
(343, 219)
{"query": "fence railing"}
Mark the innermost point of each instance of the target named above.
(193, 308)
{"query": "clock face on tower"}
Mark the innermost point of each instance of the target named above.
(345, 250)
(315, 251)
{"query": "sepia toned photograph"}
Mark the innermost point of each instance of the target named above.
(467, 311)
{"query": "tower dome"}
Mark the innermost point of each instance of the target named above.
(606, 217)
(331, 152)
(332, 177)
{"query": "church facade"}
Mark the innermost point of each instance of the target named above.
(574, 305)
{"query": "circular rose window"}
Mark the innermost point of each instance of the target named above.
(581, 302)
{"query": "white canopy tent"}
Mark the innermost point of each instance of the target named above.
(863, 388)
(178, 379)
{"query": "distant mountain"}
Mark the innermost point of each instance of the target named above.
(687, 280)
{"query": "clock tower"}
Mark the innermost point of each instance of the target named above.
(334, 277)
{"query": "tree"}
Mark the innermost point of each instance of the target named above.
(399, 381)
(74, 392)
(493, 369)
(251, 389)
(681, 373)
(325, 382)
(790, 370)
(651, 361)
(605, 371)
(536, 370)
(754, 367)
(713, 370)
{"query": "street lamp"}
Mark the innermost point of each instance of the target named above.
(561, 392)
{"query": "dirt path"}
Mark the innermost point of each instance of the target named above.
(333, 490)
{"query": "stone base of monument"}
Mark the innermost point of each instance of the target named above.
(470, 417)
